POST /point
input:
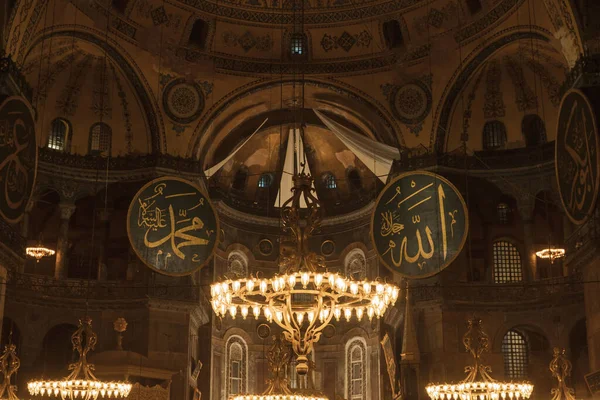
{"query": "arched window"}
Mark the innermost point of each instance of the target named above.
(504, 213)
(534, 130)
(329, 180)
(494, 135)
(237, 264)
(240, 178)
(515, 353)
(507, 262)
(356, 369)
(100, 138)
(354, 179)
(265, 180)
(237, 366)
(60, 135)
(198, 34)
(392, 33)
(120, 5)
(298, 44)
(356, 264)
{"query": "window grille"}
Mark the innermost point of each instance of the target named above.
(298, 44)
(265, 180)
(100, 138)
(237, 366)
(534, 130)
(504, 212)
(59, 135)
(507, 263)
(516, 357)
(329, 181)
(494, 135)
(356, 377)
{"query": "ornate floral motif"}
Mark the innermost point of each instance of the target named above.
(346, 41)
(526, 99)
(159, 16)
(183, 102)
(437, 18)
(493, 107)
(410, 103)
(468, 109)
(548, 80)
(100, 93)
(68, 101)
(125, 109)
(248, 41)
(123, 27)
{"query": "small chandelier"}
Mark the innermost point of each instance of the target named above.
(81, 383)
(9, 365)
(278, 357)
(39, 252)
(478, 385)
(305, 299)
(551, 253)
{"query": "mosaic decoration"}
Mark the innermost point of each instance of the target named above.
(577, 162)
(437, 140)
(526, 99)
(501, 11)
(548, 80)
(123, 27)
(437, 18)
(19, 155)
(183, 102)
(47, 80)
(346, 41)
(419, 224)
(410, 103)
(38, 10)
(159, 15)
(67, 102)
(172, 226)
(125, 109)
(178, 129)
(493, 107)
(100, 93)
(248, 41)
(265, 246)
(467, 113)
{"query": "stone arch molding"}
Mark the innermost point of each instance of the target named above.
(128, 66)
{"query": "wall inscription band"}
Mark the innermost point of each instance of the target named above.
(419, 224)
(18, 158)
(577, 164)
(172, 226)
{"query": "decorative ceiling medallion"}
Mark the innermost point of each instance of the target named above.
(265, 246)
(182, 101)
(329, 331)
(328, 247)
(577, 163)
(18, 158)
(411, 102)
(263, 331)
(172, 226)
(419, 224)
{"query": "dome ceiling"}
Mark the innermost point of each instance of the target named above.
(77, 82)
(342, 182)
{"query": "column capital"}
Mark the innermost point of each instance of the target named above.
(66, 210)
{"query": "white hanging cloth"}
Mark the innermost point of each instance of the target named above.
(213, 170)
(378, 157)
(286, 184)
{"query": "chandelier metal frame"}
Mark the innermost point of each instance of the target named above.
(478, 385)
(9, 365)
(304, 299)
(81, 383)
(39, 252)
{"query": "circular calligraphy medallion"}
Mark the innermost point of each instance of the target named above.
(18, 158)
(577, 163)
(419, 224)
(328, 247)
(183, 102)
(172, 226)
(263, 331)
(265, 246)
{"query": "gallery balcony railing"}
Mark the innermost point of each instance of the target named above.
(514, 296)
(480, 160)
(21, 284)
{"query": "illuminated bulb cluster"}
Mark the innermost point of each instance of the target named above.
(276, 397)
(551, 254)
(39, 252)
(480, 391)
(327, 293)
(79, 389)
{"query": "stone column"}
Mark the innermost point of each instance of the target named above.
(62, 242)
(103, 233)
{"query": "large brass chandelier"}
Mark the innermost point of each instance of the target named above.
(81, 382)
(304, 299)
(478, 385)
(279, 356)
(9, 365)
